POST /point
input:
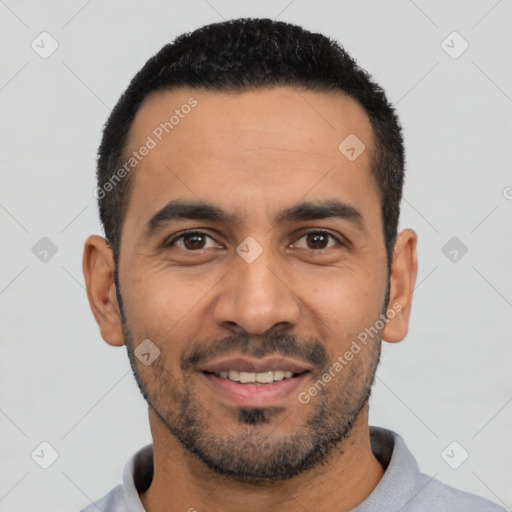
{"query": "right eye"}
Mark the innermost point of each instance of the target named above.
(191, 241)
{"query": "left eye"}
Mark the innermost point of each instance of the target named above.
(318, 240)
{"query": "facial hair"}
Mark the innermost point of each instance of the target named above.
(253, 451)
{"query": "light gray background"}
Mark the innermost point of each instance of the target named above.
(448, 381)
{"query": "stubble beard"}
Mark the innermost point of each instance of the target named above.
(256, 451)
(248, 454)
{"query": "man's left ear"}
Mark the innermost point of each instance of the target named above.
(404, 269)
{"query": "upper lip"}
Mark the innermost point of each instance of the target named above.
(251, 365)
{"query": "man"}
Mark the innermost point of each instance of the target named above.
(249, 182)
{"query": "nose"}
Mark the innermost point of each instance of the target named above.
(256, 297)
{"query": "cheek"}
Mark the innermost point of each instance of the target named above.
(344, 306)
(161, 303)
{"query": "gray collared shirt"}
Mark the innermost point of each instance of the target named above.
(402, 488)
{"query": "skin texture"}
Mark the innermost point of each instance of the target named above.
(254, 154)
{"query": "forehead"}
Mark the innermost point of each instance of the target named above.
(297, 116)
(263, 147)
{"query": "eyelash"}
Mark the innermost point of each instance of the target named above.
(171, 242)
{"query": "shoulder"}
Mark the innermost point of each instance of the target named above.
(432, 494)
(404, 487)
(113, 501)
(137, 475)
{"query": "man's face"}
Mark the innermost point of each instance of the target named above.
(291, 298)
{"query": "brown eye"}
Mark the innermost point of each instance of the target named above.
(194, 240)
(317, 240)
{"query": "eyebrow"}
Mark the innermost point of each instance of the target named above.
(177, 210)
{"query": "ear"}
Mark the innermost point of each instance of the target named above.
(404, 269)
(98, 268)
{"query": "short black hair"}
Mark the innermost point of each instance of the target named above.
(244, 54)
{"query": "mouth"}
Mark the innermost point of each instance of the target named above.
(254, 383)
(266, 377)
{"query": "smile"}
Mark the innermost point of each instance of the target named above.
(249, 391)
(266, 377)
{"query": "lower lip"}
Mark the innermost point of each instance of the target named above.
(255, 395)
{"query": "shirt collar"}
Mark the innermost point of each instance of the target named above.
(137, 476)
(398, 485)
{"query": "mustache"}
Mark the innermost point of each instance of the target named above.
(309, 350)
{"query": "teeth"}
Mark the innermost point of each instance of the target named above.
(247, 377)
(261, 378)
(265, 377)
(279, 375)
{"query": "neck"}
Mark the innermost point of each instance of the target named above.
(182, 482)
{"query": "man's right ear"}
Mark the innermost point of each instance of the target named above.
(98, 268)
